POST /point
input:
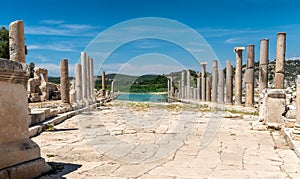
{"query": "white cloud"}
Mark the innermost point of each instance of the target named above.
(54, 69)
(53, 47)
(48, 21)
(233, 41)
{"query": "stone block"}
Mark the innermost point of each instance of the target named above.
(279, 81)
(53, 112)
(274, 106)
(37, 117)
(46, 111)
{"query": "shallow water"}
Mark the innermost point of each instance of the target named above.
(142, 97)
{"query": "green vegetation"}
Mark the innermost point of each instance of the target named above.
(4, 43)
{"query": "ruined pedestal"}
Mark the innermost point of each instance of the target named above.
(273, 106)
(296, 132)
(19, 156)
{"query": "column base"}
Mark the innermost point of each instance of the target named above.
(21, 159)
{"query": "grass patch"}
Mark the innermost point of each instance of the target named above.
(242, 112)
(49, 127)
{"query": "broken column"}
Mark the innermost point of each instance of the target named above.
(208, 90)
(238, 75)
(78, 82)
(112, 88)
(88, 85)
(296, 131)
(203, 81)
(214, 81)
(263, 64)
(229, 83)
(182, 84)
(84, 76)
(73, 92)
(179, 90)
(280, 60)
(17, 42)
(188, 84)
(198, 88)
(249, 76)
(221, 87)
(169, 87)
(92, 85)
(64, 81)
(103, 84)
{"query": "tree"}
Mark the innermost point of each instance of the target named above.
(4, 43)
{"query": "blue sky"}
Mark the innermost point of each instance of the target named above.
(62, 29)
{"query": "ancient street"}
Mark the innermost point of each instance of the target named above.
(165, 141)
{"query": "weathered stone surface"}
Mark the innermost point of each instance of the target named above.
(249, 76)
(92, 84)
(203, 81)
(78, 83)
(198, 88)
(279, 81)
(84, 75)
(263, 64)
(221, 87)
(238, 75)
(214, 97)
(103, 84)
(274, 106)
(182, 92)
(64, 81)
(188, 84)
(17, 42)
(208, 90)
(280, 60)
(229, 82)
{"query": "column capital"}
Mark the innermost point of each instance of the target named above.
(236, 49)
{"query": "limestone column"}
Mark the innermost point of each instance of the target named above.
(203, 81)
(208, 90)
(214, 81)
(78, 82)
(84, 75)
(92, 85)
(188, 84)
(103, 83)
(249, 76)
(229, 83)
(169, 87)
(263, 64)
(183, 84)
(198, 88)
(17, 42)
(296, 132)
(221, 87)
(280, 60)
(238, 75)
(112, 88)
(72, 94)
(64, 81)
(179, 89)
(88, 85)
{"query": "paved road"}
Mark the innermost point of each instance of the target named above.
(126, 140)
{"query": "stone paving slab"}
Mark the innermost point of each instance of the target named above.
(122, 141)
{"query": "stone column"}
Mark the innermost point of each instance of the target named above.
(229, 83)
(188, 84)
(203, 81)
(112, 88)
(249, 76)
(64, 81)
(280, 60)
(84, 75)
(183, 84)
(20, 157)
(221, 87)
(238, 75)
(296, 132)
(214, 81)
(198, 88)
(103, 83)
(88, 85)
(17, 42)
(78, 82)
(73, 92)
(92, 85)
(208, 90)
(179, 90)
(169, 87)
(195, 96)
(263, 64)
